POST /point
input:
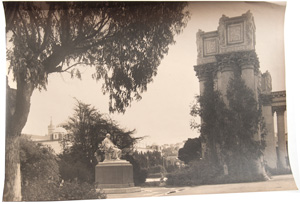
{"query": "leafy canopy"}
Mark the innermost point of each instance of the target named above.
(124, 41)
(87, 128)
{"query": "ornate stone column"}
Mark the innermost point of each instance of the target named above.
(249, 65)
(282, 146)
(202, 72)
(270, 155)
(226, 65)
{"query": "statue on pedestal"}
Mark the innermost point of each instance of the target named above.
(111, 151)
(113, 175)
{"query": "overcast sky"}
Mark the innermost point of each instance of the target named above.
(163, 112)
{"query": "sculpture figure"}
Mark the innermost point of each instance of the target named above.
(111, 151)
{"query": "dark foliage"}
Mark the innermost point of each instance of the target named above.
(39, 169)
(190, 151)
(87, 128)
(205, 172)
(41, 176)
(197, 173)
(125, 41)
(234, 133)
(139, 174)
(243, 143)
(79, 191)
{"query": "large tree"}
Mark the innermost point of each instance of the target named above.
(86, 129)
(124, 41)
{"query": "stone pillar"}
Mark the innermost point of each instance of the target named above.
(248, 76)
(226, 76)
(249, 65)
(219, 80)
(270, 155)
(282, 149)
(202, 86)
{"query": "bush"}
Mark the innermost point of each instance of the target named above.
(75, 171)
(139, 174)
(204, 172)
(41, 176)
(39, 190)
(79, 191)
(39, 169)
(171, 168)
(277, 171)
(156, 169)
(197, 173)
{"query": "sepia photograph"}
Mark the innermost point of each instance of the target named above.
(139, 99)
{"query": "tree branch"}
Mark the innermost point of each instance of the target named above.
(24, 24)
(73, 65)
(47, 28)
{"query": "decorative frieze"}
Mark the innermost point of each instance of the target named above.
(238, 60)
(233, 35)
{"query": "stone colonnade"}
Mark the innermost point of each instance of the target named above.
(279, 107)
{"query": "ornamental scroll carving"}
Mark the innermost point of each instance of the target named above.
(199, 42)
(250, 28)
(222, 30)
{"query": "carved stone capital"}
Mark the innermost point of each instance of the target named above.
(279, 109)
(248, 58)
(204, 70)
(266, 99)
(226, 62)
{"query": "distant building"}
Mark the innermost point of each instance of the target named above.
(148, 148)
(52, 139)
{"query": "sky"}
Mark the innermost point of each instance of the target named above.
(163, 113)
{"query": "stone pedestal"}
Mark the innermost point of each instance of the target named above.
(115, 177)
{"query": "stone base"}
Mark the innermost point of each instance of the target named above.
(120, 190)
(116, 174)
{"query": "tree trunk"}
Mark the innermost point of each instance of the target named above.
(12, 185)
(17, 110)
